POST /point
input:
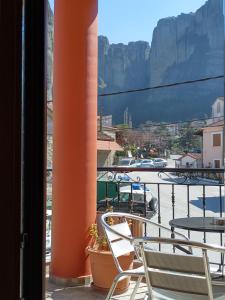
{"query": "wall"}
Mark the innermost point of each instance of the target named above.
(187, 159)
(105, 158)
(209, 152)
(215, 112)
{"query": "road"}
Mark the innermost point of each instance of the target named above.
(181, 201)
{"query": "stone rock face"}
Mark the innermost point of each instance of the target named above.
(120, 66)
(50, 53)
(186, 47)
(194, 40)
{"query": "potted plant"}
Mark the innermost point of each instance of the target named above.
(102, 263)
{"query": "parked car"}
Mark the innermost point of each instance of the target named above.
(127, 162)
(132, 199)
(160, 162)
(146, 163)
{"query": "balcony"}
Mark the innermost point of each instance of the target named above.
(179, 193)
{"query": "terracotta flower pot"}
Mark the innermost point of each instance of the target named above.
(104, 270)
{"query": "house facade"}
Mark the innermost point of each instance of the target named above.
(213, 156)
(106, 147)
(189, 160)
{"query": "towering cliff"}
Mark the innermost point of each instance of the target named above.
(121, 67)
(189, 46)
(186, 47)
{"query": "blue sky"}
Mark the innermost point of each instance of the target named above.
(133, 20)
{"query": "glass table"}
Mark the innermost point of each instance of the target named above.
(201, 224)
(204, 224)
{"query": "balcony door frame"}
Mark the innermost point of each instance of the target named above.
(22, 135)
(34, 150)
(10, 136)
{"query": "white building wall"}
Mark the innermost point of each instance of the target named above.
(210, 153)
(105, 158)
(187, 160)
(218, 110)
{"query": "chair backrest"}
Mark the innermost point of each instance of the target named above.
(180, 273)
(119, 245)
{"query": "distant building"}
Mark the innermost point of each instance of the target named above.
(217, 110)
(173, 129)
(212, 135)
(106, 142)
(197, 123)
(189, 160)
(106, 148)
(106, 120)
(127, 118)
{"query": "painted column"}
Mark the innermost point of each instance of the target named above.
(74, 132)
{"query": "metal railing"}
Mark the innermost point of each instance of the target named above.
(179, 192)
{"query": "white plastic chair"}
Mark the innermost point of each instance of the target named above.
(187, 276)
(121, 242)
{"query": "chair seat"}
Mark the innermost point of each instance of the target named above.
(159, 294)
(137, 271)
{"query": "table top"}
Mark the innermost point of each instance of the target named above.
(197, 224)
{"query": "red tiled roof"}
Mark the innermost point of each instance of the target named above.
(108, 145)
(104, 137)
(217, 123)
(193, 155)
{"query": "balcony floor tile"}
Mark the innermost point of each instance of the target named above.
(55, 292)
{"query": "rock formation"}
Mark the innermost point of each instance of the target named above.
(186, 47)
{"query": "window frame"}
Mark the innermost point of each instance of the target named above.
(216, 133)
(217, 159)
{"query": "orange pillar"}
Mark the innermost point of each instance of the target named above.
(75, 127)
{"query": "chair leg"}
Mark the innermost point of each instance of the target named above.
(147, 297)
(113, 286)
(136, 287)
(222, 264)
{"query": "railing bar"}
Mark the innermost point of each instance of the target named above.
(188, 206)
(145, 225)
(221, 255)
(173, 201)
(178, 170)
(118, 185)
(131, 200)
(221, 235)
(159, 212)
(107, 189)
(189, 184)
(204, 208)
(221, 202)
(173, 207)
